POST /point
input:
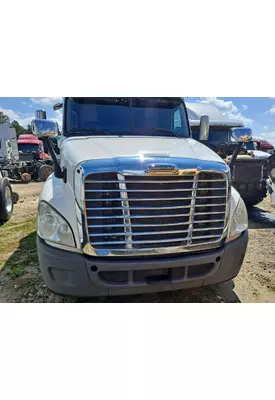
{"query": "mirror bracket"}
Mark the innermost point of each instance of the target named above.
(58, 172)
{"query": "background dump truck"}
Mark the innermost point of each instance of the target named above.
(136, 205)
(251, 171)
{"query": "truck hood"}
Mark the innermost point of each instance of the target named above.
(77, 150)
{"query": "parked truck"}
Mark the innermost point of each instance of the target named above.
(264, 145)
(136, 205)
(251, 171)
(8, 142)
(38, 164)
(25, 159)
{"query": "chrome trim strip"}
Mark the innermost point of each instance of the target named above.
(156, 181)
(192, 210)
(158, 241)
(125, 211)
(153, 208)
(165, 199)
(157, 251)
(159, 215)
(156, 225)
(155, 233)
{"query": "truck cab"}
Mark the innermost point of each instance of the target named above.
(264, 145)
(30, 148)
(135, 205)
(250, 172)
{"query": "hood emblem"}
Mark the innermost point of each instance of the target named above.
(161, 169)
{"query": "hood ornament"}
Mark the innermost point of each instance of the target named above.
(162, 169)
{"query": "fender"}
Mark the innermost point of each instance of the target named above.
(61, 197)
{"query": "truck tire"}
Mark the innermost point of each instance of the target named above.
(44, 172)
(6, 200)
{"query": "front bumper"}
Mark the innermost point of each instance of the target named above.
(74, 274)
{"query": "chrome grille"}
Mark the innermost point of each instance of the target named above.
(129, 213)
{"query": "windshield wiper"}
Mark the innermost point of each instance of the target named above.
(91, 130)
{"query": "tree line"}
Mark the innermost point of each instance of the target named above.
(20, 130)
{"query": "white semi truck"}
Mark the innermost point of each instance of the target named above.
(8, 142)
(136, 205)
(8, 152)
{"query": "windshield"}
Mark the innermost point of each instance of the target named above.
(149, 116)
(216, 135)
(28, 147)
(250, 146)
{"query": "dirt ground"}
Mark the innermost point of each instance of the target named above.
(20, 279)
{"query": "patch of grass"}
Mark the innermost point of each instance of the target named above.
(273, 288)
(18, 247)
(16, 270)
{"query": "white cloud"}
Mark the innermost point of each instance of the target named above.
(23, 119)
(244, 107)
(271, 111)
(46, 101)
(227, 108)
(269, 136)
(58, 119)
(265, 128)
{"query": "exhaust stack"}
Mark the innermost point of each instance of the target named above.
(40, 114)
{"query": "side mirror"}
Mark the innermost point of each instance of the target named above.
(57, 106)
(44, 128)
(204, 128)
(241, 135)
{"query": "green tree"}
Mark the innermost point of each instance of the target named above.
(29, 129)
(3, 118)
(20, 130)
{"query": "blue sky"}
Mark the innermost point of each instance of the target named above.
(255, 112)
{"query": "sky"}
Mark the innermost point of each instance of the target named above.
(257, 113)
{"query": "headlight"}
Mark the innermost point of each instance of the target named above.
(52, 227)
(239, 222)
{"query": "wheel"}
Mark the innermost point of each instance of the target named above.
(6, 202)
(44, 172)
(25, 177)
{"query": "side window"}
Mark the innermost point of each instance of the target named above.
(195, 134)
(177, 120)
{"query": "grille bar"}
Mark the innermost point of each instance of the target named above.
(156, 181)
(155, 232)
(159, 241)
(154, 216)
(164, 199)
(149, 190)
(152, 208)
(125, 212)
(156, 225)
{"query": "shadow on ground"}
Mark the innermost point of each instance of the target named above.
(260, 219)
(222, 293)
(21, 281)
